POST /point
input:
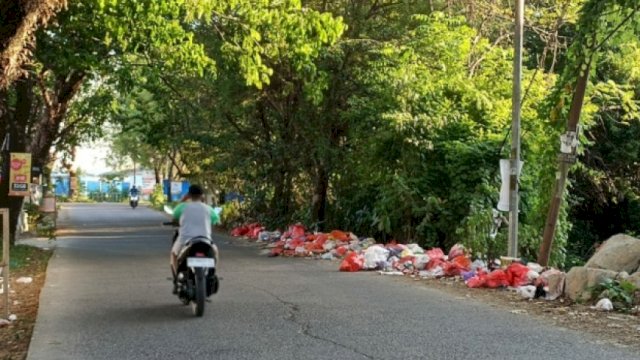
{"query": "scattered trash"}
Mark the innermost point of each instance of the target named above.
(391, 273)
(12, 317)
(603, 305)
(24, 280)
(530, 281)
(519, 311)
(4, 322)
(535, 267)
(527, 292)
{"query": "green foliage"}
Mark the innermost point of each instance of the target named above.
(158, 198)
(622, 293)
(385, 118)
(231, 214)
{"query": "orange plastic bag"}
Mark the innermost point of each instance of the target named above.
(457, 266)
(339, 235)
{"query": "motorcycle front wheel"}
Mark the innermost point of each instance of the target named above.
(197, 305)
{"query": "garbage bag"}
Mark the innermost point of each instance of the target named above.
(297, 231)
(239, 231)
(527, 292)
(535, 267)
(352, 262)
(478, 265)
(433, 263)
(421, 261)
(405, 263)
(340, 235)
(466, 275)
(375, 256)
(603, 305)
(477, 281)
(435, 253)
(553, 282)
(415, 249)
(457, 266)
(456, 250)
(496, 279)
(340, 251)
(517, 274)
(329, 245)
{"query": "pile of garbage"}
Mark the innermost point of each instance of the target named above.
(359, 254)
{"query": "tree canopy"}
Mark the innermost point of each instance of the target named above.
(385, 118)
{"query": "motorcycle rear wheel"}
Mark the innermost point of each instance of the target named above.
(197, 305)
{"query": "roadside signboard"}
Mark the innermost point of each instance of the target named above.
(19, 174)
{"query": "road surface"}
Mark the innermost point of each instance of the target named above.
(107, 297)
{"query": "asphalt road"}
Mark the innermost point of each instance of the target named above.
(107, 297)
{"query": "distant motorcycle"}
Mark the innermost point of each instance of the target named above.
(196, 274)
(133, 200)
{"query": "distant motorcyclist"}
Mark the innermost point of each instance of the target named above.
(134, 191)
(196, 219)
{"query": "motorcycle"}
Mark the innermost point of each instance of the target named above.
(196, 278)
(133, 200)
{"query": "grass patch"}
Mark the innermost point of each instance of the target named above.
(21, 256)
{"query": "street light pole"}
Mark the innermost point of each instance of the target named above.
(514, 172)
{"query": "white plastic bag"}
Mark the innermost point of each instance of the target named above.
(415, 249)
(527, 292)
(375, 256)
(421, 261)
(603, 305)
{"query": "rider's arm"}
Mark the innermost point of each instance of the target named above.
(177, 212)
(215, 218)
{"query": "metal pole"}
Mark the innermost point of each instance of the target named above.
(515, 132)
(5, 259)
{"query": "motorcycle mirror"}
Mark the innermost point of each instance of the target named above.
(168, 210)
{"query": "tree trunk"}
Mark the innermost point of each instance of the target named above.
(16, 125)
(319, 203)
(19, 20)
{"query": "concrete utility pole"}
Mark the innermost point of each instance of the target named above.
(515, 132)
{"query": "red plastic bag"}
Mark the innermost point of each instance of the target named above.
(435, 253)
(433, 263)
(297, 231)
(456, 250)
(517, 274)
(341, 250)
(496, 279)
(239, 231)
(352, 262)
(477, 281)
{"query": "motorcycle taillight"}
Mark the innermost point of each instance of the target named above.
(199, 254)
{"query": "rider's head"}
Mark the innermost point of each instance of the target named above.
(195, 192)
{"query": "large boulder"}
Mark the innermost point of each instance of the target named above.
(581, 279)
(619, 253)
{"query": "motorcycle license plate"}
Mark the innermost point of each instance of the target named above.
(201, 262)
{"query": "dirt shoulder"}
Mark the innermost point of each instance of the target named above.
(30, 262)
(616, 328)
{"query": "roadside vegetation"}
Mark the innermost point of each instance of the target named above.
(384, 118)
